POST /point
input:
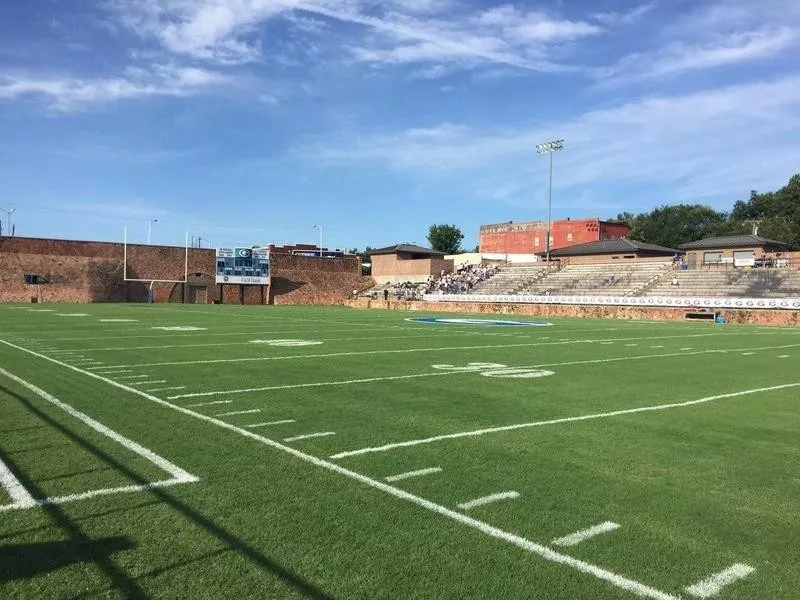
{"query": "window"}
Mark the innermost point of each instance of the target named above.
(569, 236)
(551, 240)
(712, 258)
(536, 242)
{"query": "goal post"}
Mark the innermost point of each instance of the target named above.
(151, 280)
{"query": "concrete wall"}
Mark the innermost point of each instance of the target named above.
(782, 318)
(389, 268)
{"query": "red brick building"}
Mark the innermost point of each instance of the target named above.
(531, 237)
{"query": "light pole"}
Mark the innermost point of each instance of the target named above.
(320, 238)
(150, 229)
(542, 149)
(8, 212)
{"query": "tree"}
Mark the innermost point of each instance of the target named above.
(672, 226)
(445, 238)
(777, 213)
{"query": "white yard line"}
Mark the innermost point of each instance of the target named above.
(210, 403)
(95, 493)
(488, 500)
(178, 474)
(411, 350)
(711, 586)
(619, 581)
(784, 356)
(20, 497)
(149, 382)
(410, 474)
(573, 539)
(306, 385)
(165, 389)
(307, 436)
(257, 425)
(292, 386)
(119, 372)
(605, 415)
(239, 412)
(133, 377)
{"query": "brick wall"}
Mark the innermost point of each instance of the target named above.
(388, 268)
(783, 318)
(93, 272)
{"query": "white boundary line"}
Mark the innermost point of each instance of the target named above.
(292, 386)
(488, 500)
(542, 551)
(307, 436)
(410, 474)
(573, 539)
(605, 415)
(712, 585)
(178, 474)
(20, 497)
(414, 350)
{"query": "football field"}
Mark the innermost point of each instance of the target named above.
(198, 452)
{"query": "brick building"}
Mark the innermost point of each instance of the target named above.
(406, 262)
(530, 237)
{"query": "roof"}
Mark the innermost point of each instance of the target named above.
(409, 248)
(613, 246)
(733, 241)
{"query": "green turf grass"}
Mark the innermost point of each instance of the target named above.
(694, 489)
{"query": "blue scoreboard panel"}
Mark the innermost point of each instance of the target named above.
(242, 265)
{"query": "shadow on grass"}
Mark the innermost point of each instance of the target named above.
(119, 579)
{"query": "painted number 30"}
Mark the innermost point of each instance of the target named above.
(497, 370)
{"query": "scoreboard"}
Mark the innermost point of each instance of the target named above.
(242, 265)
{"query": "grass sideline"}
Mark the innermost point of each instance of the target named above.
(347, 454)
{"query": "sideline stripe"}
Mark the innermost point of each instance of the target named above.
(309, 435)
(255, 425)
(410, 474)
(413, 350)
(616, 413)
(540, 550)
(417, 375)
(576, 538)
(488, 500)
(177, 473)
(712, 585)
(239, 412)
(20, 497)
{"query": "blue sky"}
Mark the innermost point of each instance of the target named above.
(248, 121)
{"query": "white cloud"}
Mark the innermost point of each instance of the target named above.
(631, 17)
(708, 144)
(399, 31)
(680, 57)
(73, 93)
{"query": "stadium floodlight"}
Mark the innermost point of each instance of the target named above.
(320, 238)
(543, 149)
(150, 229)
(8, 212)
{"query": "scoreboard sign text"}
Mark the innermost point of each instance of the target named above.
(242, 265)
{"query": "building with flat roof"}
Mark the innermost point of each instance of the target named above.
(530, 237)
(407, 262)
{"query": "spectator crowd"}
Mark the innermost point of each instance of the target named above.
(462, 281)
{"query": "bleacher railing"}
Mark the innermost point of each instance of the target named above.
(654, 301)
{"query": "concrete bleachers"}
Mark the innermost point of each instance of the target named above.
(730, 283)
(623, 279)
(510, 280)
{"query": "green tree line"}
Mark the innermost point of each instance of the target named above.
(777, 215)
